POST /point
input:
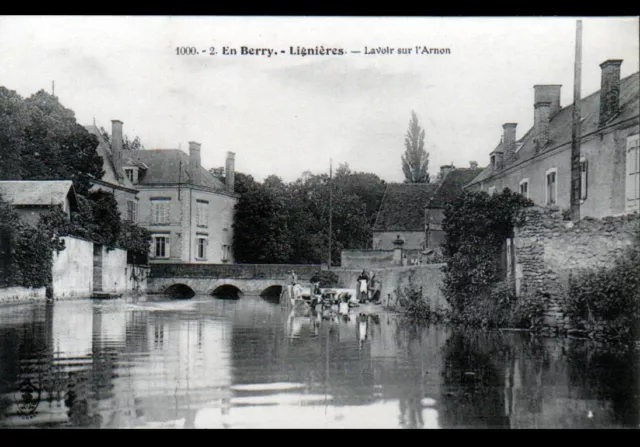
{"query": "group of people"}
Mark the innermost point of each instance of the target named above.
(368, 288)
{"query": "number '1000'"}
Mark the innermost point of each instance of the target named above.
(182, 51)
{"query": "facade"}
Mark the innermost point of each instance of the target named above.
(187, 209)
(452, 183)
(401, 215)
(538, 165)
(32, 198)
(114, 179)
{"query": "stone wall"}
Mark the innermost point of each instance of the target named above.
(237, 271)
(365, 259)
(19, 295)
(73, 269)
(548, 249)
(395, 280)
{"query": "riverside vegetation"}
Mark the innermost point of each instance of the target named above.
(602, 303)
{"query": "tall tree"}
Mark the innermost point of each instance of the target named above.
(415, 160)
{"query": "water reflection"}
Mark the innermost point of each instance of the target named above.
(209, 363)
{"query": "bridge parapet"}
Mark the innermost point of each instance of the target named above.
(236, 271)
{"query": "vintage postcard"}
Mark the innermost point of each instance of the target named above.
(319, 222)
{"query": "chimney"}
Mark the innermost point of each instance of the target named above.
(116, 147)
(609, 90)
(509, 140)
(194, 162)
(446, 169)
(541, 123)
(473, 164)
(230, 171)
(548, 93)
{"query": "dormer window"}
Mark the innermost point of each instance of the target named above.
(129, 173)
(493, 161)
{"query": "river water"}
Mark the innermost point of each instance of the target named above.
(152, 362)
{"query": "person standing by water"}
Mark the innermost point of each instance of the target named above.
(363, 280)
(293, 280)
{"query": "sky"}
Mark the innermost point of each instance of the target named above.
(287, 114)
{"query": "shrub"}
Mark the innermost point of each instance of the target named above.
(528, 312)
(326, 278)
(610, 295)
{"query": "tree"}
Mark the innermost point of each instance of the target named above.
(415, 161)
(260, 231)
(127, 144)
(41, 140)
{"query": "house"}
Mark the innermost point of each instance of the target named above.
(32, 198)
(114, 179)
(188, 210)
(401, 215)
(451, 185)
(538, 165)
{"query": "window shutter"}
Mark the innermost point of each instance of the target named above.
(633, 175)
(165, 207)
(152, 248)
(167, 252)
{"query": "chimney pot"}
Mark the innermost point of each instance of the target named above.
(194, 162)
(609, 90)
(541, 123)
(509, 140)
(230, 171)
(117, 147)
(548, 93)
(473, 164)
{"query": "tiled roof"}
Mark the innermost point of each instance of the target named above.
(38, 192)
(104, 150)
(561, 123)
(402, 207)
(169, 166)
(451, 186)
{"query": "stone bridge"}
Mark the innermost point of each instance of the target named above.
(186, 280)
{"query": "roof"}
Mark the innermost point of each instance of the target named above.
(38, 192)
(168, 166)
(402, 207)
(561, 123)
(451, 186)
(104, 150)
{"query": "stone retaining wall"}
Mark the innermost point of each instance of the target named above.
(549, 249)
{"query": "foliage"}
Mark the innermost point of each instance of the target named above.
(289, 222)
(609, 295)
(326, 278)
(414, 307)
(136, 241)
(260, 231)
(41, 140)
(27, 252)
(415, 161)
(528, 312)
(97, 219)
(127, 144)
(476, 226)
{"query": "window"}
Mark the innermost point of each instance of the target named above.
(524, 187)
(129, 174)
(201, 247)
(551, 186)
(161, 246)
(160, 211)
(201, 213)
(132, 211)
(493, 161)
(225, 253)
(583, 178)
(492, 190)
(633, 174)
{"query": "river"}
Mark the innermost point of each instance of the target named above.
(153, 362)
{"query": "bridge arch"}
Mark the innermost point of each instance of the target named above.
(180, 291)
(227, 291)
(272, 293)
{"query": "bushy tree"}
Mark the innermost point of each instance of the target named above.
(415, 161)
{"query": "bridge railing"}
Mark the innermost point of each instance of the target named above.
(237, 271)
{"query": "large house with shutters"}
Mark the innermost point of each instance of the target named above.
(538, 164)
(188, 210)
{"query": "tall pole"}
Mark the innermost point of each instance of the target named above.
(575, 128)
(330, 208)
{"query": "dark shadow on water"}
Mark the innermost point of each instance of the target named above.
(180, 291)
(272, 294)
(227, 292)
